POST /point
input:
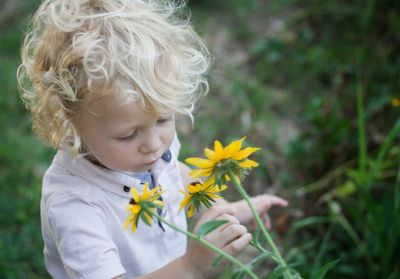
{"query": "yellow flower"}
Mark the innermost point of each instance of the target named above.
(200, 194)
(142, 206)
(223, 159)
(395, 102)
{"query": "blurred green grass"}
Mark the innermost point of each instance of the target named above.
(286, 75)
(22, 162)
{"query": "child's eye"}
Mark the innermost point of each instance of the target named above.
(128, 138)
(164, 120)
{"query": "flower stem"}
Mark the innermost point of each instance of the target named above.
(260, 223)
(208, 245)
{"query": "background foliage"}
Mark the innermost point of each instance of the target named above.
(311, 82)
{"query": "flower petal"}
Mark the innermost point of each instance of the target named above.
(218, 147)
(214, 196)
(248, 164)
(134, 208)
(191, 210)
(210, 154)
(184, 203)
(127, 223)
(158, 203)
(200, 162)
(154, 193)
(131, 220)
(244, 153)
(194, 188)
(146, 194)
(135, 194)
(223, 188)
(200, 172)
(233, 148)
(148, 218)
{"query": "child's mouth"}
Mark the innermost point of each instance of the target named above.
(151, 162)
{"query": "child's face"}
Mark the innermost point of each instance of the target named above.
(122, 136)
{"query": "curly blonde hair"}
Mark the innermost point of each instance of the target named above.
(80, 48)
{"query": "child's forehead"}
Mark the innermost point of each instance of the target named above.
(115, 102)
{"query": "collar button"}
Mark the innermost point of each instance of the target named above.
(167, 156)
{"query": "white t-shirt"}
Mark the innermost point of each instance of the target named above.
(83, 208)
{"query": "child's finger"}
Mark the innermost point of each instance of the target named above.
(267, 220)
(227, 235)
(231, 220)
(264, 202)
(215, 212)
(233, 232)
(274, 200)
(226, 232)
(237, 245)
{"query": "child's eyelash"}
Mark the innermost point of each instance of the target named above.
(163, 120)
(130, 137)
(133, 135)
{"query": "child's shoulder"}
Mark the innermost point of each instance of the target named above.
(68, 200)
(60, 183)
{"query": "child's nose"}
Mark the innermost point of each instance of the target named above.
(151, 142)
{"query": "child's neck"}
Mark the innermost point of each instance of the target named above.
(93, 160)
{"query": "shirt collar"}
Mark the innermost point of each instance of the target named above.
(108, 180)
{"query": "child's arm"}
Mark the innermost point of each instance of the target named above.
(197, 262)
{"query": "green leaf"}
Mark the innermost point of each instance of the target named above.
(259, 259)
(345, 190)
(142, 216)
(209, 226)
(279, 270)
(322, 271)
(276, 273)
(255, 241)
(309, 221)
(217, 261)
(394, 275)
(204, 200)
(227, 272)
(239, 274)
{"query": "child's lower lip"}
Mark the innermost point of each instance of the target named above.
(152, 162)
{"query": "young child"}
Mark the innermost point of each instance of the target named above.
(104, 81)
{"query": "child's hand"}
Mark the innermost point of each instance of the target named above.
(262, 204)
(231, 237)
